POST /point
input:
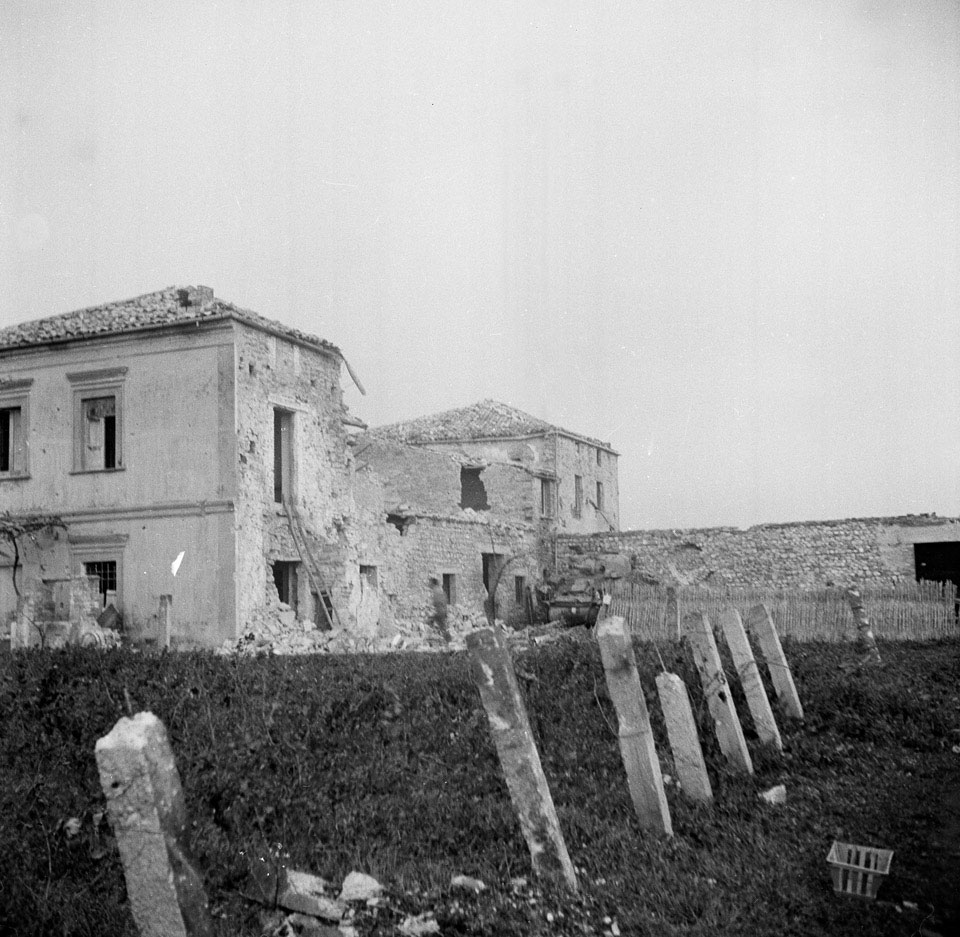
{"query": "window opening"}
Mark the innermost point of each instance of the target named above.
(368, 577)
(105, 572)
(598, 457)
(11, 440)
(599, 496)
(473, 494)
(285, 578)
(450, 588)
(577, 495)
(282, 455)
(400, 521)
(99, 448)
(491, 564)
(519, 585)
(547, 497)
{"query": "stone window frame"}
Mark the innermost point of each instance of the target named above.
(449, 583)
(548, 497)
(99, 548)
(576, 509)
(300, 415)
(104, 382)
(599, 504)
(15, 395)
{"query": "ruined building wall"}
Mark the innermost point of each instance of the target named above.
(273, 373)
(856, 550)
(592, 465)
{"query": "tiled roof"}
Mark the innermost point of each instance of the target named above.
(172, 306)
(488, 419)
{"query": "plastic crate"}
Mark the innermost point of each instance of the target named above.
(858, 870)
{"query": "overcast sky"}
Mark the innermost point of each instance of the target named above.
(722, 235)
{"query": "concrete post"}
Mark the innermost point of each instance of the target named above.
(165, 621)
(760, 625)
(865, 637)
(684, 742)
(696, 627)
(636, 737)
(749, 674)
(147, 811)
(519, 759)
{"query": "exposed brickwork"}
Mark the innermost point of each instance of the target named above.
(862, 550)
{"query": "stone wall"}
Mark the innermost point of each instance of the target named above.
(273, 373)
(579, 458)
(810, 553)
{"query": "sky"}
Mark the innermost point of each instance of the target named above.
(722, 235)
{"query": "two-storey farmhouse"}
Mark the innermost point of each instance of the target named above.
(191, 448)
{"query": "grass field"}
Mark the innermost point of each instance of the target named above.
(384, 764)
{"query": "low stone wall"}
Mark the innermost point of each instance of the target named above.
(809, 553)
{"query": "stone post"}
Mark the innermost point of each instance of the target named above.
(749, 674)
(636, 737)
(519, 759)
(865, 638)
(684, 742)
(729, 734)
(760, 625)
(148, 815)
(165, 621)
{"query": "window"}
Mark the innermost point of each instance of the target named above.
(14, 406)
(472, 492)
(577, 495)
(599, 496)
(98, 420)
(548, 497)
(368, 577)
(599, 461)
(11, 441)
(285, 578)
(491, 566)
(282, 455)
(450, 588)
(519, 588)
(105, 572)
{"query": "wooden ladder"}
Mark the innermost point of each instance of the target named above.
(310, 562)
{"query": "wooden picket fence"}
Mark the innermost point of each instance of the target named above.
(901, 611)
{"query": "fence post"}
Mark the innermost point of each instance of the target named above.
(519, 759)
(166, 620)
(636, 737)
(865, 639)
(149, 818)
(749, 674)
(715, 689)
(760, 624)
(684, 741)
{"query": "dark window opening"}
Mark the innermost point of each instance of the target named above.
(547, 497)
(400, 521)
(577, 495)
(491, 566)
(599, 496)
(368, 576)
(472, 492)
(11, 441)
(598, 457)
(286, 580)
(99, 447)
(322, 610)
(105, 572)
(450, 588)
(938, 562)
(282, 455)
(519, 588)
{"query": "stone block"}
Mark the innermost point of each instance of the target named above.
(148, 814)
(684, 741)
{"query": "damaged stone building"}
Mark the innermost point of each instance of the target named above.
(193, 450)
(475, 495)
(209, 477)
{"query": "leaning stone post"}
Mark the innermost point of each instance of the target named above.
(760, 624)
(865, 637)
(519, 759)
(636, 737)
(684, 741)
(147, 811)
(749, 674)
(716, 690)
